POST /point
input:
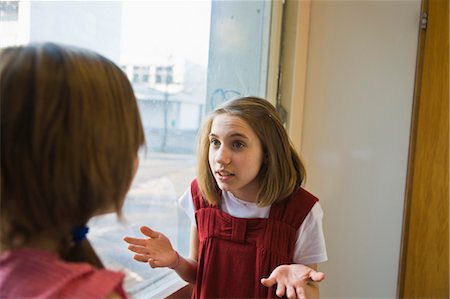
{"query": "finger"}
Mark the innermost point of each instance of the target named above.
(290, 293)
(141, 258)
(268, 282)
(135, 241)
(300, 293)
(281, 290)
(149, 232)
(317, 276)
(138, 249)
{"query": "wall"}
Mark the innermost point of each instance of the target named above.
(356, 126)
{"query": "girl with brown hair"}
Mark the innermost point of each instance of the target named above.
(70, 135)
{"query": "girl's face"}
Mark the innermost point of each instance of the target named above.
(235, 156)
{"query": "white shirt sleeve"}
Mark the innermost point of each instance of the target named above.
(187, 205)
(310, 246)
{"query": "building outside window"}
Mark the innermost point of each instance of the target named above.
(9, 11)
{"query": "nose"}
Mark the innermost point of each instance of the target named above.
(222, 155)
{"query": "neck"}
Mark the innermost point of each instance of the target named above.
(44, 241)
(251, 198)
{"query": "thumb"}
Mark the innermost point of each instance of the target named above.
(268, 282)
(149, 232)
(154, 263)
(317, 276)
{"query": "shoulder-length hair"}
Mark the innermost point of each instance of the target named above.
(281, 173)
(70, 133)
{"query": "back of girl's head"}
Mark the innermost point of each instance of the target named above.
(70, 133)
(282, 171)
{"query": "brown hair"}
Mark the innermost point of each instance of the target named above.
(70, 133)
(283, 171)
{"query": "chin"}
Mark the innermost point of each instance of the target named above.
(223, 187)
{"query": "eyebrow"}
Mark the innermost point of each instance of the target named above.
(235, 134)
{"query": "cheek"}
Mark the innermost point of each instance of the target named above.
(252, 163)
(258, 162)
(211, 158)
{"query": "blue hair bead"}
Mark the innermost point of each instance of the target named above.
(79, 233)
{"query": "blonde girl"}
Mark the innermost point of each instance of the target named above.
(256, 232)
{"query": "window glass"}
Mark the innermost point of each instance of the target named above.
(239, 46)
(183, 58)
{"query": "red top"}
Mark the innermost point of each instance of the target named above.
(235, 253)
(31, 273)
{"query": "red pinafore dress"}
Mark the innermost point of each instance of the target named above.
(235, 253)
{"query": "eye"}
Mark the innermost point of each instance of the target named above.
(237, 145)
(214, 142)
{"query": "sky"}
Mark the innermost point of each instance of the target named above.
(166, 30)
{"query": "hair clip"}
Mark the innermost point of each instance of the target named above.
(79, 234)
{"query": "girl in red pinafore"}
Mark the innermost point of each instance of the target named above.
(70, 135)
(256, 233)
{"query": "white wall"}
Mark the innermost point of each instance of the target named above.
(358, 101)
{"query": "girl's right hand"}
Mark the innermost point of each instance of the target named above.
(155, 250)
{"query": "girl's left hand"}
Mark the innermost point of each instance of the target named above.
(292, 280)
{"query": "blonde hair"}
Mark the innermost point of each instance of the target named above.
(280, 175)
(70, 133)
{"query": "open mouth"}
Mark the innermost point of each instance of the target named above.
(224, 175)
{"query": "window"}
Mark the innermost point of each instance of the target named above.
(183, 58)
(135, 78)
(9, 11)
